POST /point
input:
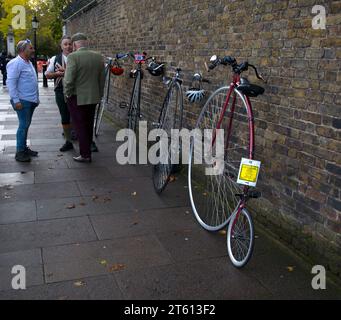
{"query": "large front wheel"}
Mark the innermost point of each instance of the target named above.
(170, 118)
(215, 197)
(98, 117)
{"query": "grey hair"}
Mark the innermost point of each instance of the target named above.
(21, 46)
(64, 38)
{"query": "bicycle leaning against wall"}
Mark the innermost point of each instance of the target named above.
(134, 109)
(170, 118)
(219, 200)
(112, 66)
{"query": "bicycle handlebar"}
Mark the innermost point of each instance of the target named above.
(237, 68)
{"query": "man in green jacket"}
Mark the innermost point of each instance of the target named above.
(83, 88)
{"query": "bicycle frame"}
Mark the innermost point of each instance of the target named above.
(138, 77)
(176, 79)
(233, 89)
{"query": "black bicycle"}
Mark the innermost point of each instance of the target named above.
(171, 118)
(112, 66)
(134, 110)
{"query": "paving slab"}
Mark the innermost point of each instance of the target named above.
(80, 174)
(136, 223)
(16, 178)
(204, 279)
(20, 211)
(82, 206)
(37, 165)
(103, 257)
(26, 258)
(30, 235)
(94, 288)
(34, 277)
(39, 191)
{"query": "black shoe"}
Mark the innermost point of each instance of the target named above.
(66, 147)
(22, 156)
(81, 159)
(94, 147)
(31, 153)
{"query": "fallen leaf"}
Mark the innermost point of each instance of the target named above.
(71, 206)
(104, 262)
(107, 199)
(172, 179)
(116, 267)
(79, 284)
(134, 194)
(290, 268)
(186, 239)
(223, 232)
(94, 198)
(204, 194)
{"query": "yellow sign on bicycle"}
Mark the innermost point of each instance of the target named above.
(249, 172)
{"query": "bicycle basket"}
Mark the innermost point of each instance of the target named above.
(155, 69)
(117, 71)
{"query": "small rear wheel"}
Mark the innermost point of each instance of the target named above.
(240, 238)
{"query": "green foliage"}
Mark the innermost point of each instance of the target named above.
(49, 15)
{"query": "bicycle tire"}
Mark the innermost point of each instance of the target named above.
(240, 229)
(104, 102)
(98, 118)
(170, 118)
(134, 106)
(214, 198)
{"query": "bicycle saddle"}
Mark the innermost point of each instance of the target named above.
(250, 90)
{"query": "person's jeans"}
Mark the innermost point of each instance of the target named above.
(25, 119)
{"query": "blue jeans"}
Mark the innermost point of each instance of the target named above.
(25, 119)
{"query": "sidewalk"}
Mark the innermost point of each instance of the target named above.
(99, 231)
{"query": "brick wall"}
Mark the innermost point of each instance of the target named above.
(298, 119)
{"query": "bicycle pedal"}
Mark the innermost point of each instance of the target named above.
(254, 194)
